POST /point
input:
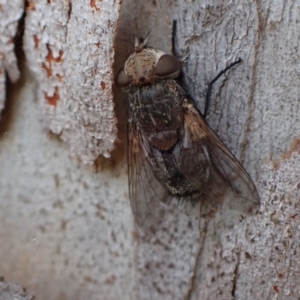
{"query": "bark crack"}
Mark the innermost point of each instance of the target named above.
(260, 28)
(235, 276)
(193, 284)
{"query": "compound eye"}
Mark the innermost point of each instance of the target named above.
(168, 66)
(122, 80)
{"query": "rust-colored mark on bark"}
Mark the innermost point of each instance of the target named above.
(97, 44)
(50, 56)
(48, 69)
(294, 216)
(30, 6)
(54, 136)
(90, 279)
(295, 146)
(103, 85)
(59, 58)
(0, 6)
(36, 41)
(49, 1)
(276, 289)
(60, 77)
(52, 100)
(280, 275)
(135, 234)
(93, 5)
(49, 59)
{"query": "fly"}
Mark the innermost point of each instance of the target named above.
(172, 151)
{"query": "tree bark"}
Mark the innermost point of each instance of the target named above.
(10, 291)
(72, 231)
(69, 49)
(10, 13)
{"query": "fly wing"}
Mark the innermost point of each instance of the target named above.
(224, 169)
(147, 194)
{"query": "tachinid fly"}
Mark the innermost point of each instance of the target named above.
(172, 151)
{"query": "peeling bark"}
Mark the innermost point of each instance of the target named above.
(70, 50)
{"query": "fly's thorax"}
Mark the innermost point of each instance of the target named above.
(156, 110)
(157, 92)
(145, 65)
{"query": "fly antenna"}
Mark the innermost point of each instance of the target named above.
(139, 45)
(127, 42)
(145, 39)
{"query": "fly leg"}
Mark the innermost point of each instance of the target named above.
(210, 86)
(174, 31)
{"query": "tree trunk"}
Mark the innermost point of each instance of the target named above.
(67, 232)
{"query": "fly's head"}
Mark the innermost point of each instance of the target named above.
(145, 65)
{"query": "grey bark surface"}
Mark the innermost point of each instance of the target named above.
(11, 291)
(69, 233)
(10, 13)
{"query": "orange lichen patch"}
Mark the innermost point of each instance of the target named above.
(30, 6)
(36, 41)
(60, 77)
(59, 58)
(48, 69)
(50, 58)
(103, 85)
(93, 4)
(52, 100)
